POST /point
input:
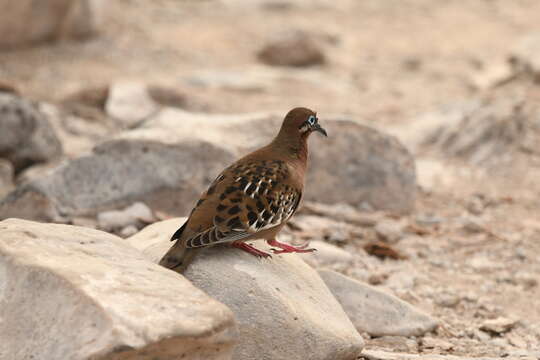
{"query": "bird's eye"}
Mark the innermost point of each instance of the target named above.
(311, 120)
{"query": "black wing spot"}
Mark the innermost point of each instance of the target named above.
(211, 190)
(252, 217)
(236, 200)
(260, 205)
(234, 210)
(221, 207)
(234, 223)
(230, 190)
(218, 220)
(266, 216)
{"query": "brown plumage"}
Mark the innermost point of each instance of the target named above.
(251, 199)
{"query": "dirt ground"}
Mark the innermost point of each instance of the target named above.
(387, 63)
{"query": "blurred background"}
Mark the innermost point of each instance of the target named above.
(454, 85)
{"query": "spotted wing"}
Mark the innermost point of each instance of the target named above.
(258, 197)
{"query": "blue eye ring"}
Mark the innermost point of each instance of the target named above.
(312, 120)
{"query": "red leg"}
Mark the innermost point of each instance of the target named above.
(288, 248)
(250, 249)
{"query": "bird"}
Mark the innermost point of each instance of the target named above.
(253, 198)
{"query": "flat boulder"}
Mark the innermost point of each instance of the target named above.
(374, 311)
(282, 307)
(69, 292)
(116, 174)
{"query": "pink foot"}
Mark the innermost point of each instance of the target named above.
(288, 248)
(250, 249)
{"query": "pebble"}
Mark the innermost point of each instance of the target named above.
(389, 231)
(498, 325)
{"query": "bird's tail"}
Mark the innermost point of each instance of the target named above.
(178, 257)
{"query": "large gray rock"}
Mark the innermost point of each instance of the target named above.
(173, 157)
(26, 21)
(117, 173)
(283, 308)
(374, 311)
(75, 293)
(26, 137)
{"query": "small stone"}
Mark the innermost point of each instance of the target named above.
(498, 325)
(129, 103)
(473, 225)
(434, 343)
(389, 231)
(292, 49)
(118, 219)
(492, 76)
(447, 300)
(128, 231)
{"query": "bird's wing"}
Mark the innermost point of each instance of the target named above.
(251, 197)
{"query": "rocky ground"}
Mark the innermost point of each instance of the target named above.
(457, 83)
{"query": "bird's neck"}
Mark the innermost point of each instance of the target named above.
(294, 149)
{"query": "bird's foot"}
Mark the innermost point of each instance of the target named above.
(285, 248)
(250, 249)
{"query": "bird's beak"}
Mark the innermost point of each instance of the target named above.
(318, 128)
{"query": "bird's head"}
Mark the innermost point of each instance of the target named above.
(301, 122)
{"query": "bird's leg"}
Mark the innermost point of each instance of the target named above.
(250, 249)
(288, 248)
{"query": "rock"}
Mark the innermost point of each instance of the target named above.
(128, 231)
(526, 54)
(292, 49)
(6, 177)
(447, 299)
(129, 103)
(25, 21)
(492, 76)
(165, 177)
(152, 240)
(498, 325)
(389, 231)
(132, 215)
(498, 131)
(26, 136)
(327, 254)
(85, 294)
(374, 311)
(282, 307)
(169, 161)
